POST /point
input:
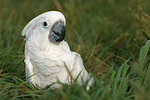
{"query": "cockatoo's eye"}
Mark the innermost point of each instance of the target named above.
(45, 24)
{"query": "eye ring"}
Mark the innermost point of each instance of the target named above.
(45, 24)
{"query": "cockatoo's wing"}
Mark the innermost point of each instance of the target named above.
(30, 74)
(76, 68)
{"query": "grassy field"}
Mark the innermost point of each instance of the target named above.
(111, 36)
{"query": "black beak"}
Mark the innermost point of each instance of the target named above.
(57, 32)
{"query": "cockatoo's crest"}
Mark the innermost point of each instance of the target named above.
(52, 16)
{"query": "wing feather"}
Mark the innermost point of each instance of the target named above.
(30, 74)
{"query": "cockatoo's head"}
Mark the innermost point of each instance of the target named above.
(49, 26)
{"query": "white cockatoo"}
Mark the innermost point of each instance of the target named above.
(48, 58)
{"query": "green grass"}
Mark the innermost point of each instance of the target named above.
(111, 36)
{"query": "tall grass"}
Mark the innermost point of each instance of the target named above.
(111, 36)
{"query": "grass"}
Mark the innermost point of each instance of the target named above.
(111, 36)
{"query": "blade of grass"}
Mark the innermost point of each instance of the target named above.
(143, 52)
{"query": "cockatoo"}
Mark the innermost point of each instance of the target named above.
(48, 58)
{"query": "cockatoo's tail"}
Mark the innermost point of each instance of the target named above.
(48, 58)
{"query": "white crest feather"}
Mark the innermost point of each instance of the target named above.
(27, 28)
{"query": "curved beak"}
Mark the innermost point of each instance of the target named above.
(57, 32)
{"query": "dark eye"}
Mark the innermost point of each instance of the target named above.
(45, 24)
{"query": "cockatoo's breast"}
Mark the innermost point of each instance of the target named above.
(48, 66)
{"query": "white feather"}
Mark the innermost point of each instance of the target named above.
(47, 62)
